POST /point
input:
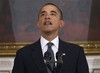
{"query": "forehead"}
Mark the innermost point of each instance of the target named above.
(49, 8)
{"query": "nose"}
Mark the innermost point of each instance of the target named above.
(47, 16)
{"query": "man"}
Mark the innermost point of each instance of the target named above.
(30, 59)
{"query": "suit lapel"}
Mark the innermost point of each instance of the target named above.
(64, 49)
(62, 46)
(37, 53)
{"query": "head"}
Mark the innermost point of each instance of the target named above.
(60, 11)
(50, 18)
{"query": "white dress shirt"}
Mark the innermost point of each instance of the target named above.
(44, 46)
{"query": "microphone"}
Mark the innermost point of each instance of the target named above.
(47, 57)
(59, 56)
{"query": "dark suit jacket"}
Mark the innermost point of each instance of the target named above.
(30, 59)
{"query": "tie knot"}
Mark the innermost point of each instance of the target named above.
(49, 44)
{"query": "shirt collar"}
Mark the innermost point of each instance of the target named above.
(44, 42)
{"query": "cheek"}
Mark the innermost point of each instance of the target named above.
(40, 22)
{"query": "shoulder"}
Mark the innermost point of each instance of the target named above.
(69, 43)
(28, 48)
(72, 49)
(71, 46)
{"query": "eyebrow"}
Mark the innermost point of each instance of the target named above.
(54, 11)
(50, 11)
(42, 12)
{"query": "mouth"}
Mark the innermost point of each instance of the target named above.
(47, 23)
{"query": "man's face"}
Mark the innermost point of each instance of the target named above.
(49, 19)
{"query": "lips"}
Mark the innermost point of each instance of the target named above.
(47, 23)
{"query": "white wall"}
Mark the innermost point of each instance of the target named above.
(94, 63)
(6, 64)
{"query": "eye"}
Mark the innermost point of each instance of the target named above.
(42, 14)
(53, 14)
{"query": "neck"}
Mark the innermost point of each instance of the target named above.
(49, 37)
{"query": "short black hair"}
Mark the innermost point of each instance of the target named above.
(61, 14)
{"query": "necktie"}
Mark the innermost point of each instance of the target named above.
(52, 55)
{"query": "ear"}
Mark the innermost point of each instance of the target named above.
(38, 24)
(61, 23)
